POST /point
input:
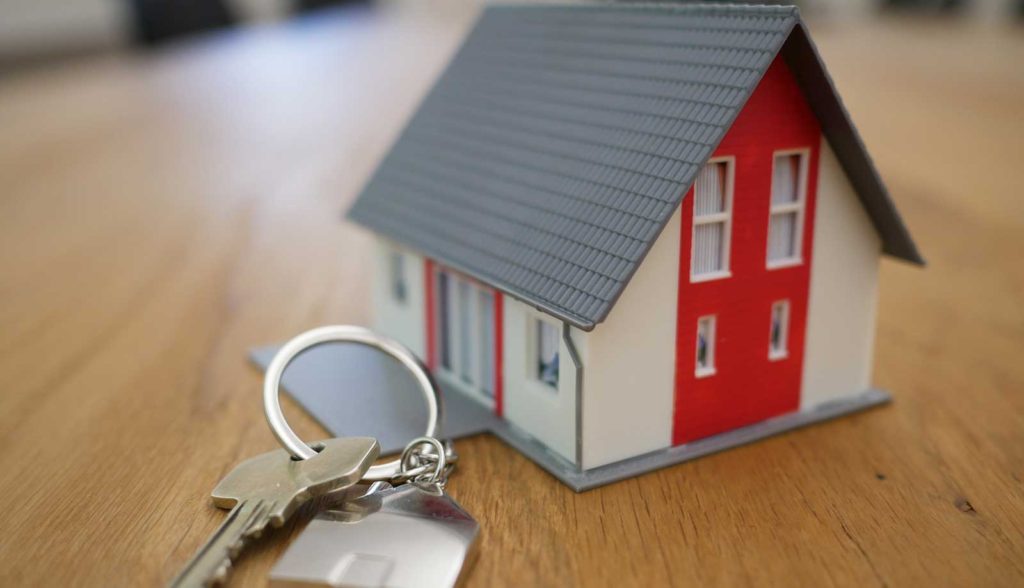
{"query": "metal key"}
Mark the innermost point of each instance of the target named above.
(266, 490)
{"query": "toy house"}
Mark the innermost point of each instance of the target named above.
(635, 233)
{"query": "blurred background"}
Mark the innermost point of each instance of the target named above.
(39, 32)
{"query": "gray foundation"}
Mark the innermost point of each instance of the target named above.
(352, 390)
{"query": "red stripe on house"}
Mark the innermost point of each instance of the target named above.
(499, 365)
(748, 386)
(431, 318)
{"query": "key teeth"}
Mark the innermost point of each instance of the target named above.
(235, 549)
(223, 572)
(221, 576)
(262, 518)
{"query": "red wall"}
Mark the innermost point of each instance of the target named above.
(747, 387)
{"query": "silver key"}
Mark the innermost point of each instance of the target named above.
(266, 490)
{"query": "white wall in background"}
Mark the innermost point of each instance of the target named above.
(30, 27)
(259, 10)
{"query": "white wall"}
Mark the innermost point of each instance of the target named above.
(544, 413)
(29, 27)
(406, 322)
(629, 362)
(844, 291)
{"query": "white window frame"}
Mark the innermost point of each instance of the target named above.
(798, 207)
(533, 350)
(709, 369)
(782, 352)
(725, 215)
(453, 375)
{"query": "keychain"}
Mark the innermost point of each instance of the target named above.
(413, 534)
(402, 529)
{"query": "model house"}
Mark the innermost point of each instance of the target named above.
(625, 229)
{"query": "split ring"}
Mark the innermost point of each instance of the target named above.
(345, 334)
(412, 470)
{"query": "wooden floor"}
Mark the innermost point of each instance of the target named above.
(160, 214)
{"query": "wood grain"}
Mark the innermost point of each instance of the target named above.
(162, 213)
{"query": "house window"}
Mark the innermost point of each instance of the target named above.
(705, 346)
(465, 332)
(546, 361)
(785, 225)
(399, 289)
(778, 334)
(712, 204)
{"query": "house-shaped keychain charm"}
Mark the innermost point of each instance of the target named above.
(410, 535)
(634, 234)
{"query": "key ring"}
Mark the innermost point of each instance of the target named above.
(345, 334)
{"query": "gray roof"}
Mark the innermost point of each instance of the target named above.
(555, 147)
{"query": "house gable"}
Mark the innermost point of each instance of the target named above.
(561, 139)
(837, 126)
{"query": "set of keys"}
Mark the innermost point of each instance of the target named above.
(397, 528)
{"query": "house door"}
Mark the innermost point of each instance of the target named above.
(466, 336)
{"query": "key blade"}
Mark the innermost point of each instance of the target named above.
(212, 563)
